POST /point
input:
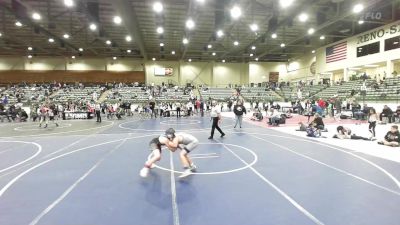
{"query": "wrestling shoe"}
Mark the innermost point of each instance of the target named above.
(186, 173)
(193, 167)
(144, 172)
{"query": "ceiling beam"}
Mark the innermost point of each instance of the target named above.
(338, 18)
(29, 22)
(281, 23)
(130, 20)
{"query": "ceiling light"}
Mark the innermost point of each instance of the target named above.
(30, 48)
(358, 8)
(251, 54)
(173, 52)
(283, 45)
(274, 35)
(128, 38)
(66, 36)
(236, 43)
(189, 60)
(36, 16)
(160, 30)
(253, 47)
(80, 49)
(214, 53)
(154, 59)
(114, 58)
(200, 1)
(313, 51)
(69, 3)
(322, 37)
(117, 20)
(185, 41)
(360, 21)
(254, 27)
(30, 56)
(223, 60)
(51, 40)
(236, 12)
(161, 44)
(128, 51)
(220, 33)
(158, 7)
(209, 46)
(311, 31)
(286, 3)
(73, 57)
(108, 42)
(93, 26)
(1, 34)
(18, 24)
(256, 59)
(189, 24)
(303, 17)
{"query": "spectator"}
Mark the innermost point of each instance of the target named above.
(372, 118)
(273, 117)
(386, 112)
(359, 115)
(397, 113)
(345, 133)
(239, 109)
(318, 123)
(257, 115)
(392, 138)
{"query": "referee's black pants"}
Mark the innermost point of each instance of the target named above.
(215, 126)
(98, 116)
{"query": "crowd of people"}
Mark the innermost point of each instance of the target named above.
(48, 109)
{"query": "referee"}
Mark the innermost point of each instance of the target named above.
(216, 119)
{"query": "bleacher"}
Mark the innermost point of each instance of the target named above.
(138, 94)
(389, 91)
(27, 94)
(73, 94)
(258, 93)
(342, 91)
(290, 92)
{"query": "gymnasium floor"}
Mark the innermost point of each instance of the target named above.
(84, 173)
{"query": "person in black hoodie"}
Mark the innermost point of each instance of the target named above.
(392, 138)
(386, 112)
(239, 109)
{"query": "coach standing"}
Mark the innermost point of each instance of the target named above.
(239, 109)
(97, 109)
(216, 119)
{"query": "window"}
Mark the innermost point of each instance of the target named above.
(392, 43)
(368, 49)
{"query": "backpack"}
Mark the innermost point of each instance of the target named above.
(311, 132)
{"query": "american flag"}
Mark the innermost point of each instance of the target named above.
(336, 52)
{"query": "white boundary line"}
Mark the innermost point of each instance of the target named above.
(39, 150)
(354, 155)
(175, 210)
(73, 186)
(184, 130)
(15, 179)
(204, 154)
(22, 128)
(329, 166)
(282, 193)
(205, 157)
(218, 172)
(64, 132)
(185, 122)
